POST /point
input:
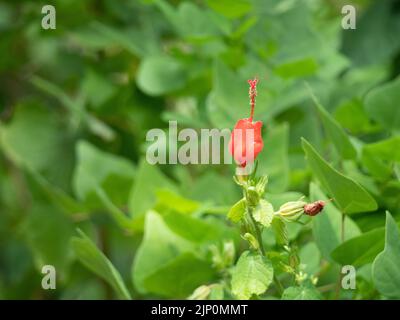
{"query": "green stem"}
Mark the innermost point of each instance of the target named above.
(342, 236)
(258, 234)
(257, 231)
(342, 229)
(278, 285)
(253, 225)
(254, 229)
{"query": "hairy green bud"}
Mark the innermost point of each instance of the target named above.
(261, 184)
(228, 253)
(291, 211)
(223, 258)
(251, 240)
(252, 196)
(201, 293)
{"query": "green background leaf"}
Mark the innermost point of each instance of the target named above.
(349, 195)
(382, 104)
(335, 132)
(92, 258)
(158, 75)
(386, 267)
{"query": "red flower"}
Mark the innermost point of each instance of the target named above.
(246, 134)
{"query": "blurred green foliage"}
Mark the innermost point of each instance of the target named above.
(76, 104)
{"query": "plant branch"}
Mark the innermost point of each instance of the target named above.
(278, 285)
(342, 234)
(257, 232)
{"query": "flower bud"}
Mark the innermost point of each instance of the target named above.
(261, 184)
(294, 260)
(201, 293)
(228, 253)
(223, 257)
(287, 269)
(252, 196)
(314, 208)
(251, 240)
(291, 211)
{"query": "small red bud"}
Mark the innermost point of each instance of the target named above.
(314, 208)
